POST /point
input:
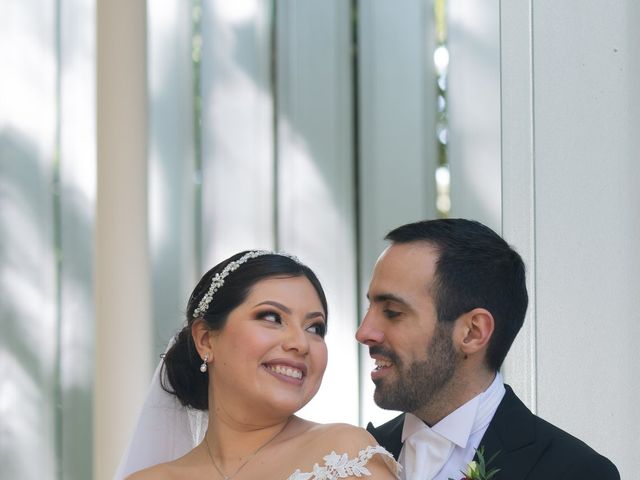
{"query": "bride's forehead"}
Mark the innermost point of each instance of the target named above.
(291, 289)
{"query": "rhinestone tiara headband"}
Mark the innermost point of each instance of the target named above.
(218, 279)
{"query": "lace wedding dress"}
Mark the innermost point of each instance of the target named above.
(341, 466)
(167, 430)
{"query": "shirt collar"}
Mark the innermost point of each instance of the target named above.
(465, 420)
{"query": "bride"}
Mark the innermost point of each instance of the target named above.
(251, 355)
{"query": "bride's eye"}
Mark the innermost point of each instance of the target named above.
(270, 316)
(319, 329)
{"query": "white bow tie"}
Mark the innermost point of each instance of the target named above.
(425, 454)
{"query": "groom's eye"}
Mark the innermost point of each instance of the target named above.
(391, 313)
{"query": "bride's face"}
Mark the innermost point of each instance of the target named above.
(270, 356)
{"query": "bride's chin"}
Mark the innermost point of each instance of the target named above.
(287, 406)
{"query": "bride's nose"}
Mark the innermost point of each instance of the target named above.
(296, 340)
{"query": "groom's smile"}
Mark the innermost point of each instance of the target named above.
(384, 361)
(413, 354)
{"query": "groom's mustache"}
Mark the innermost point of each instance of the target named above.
(389, 354)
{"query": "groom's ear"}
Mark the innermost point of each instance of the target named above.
(202, 338)
(473, 331)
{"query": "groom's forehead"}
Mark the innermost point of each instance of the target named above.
(404, 267)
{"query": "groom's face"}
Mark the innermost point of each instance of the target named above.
(414, 354)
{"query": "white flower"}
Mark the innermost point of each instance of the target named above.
(472, 470)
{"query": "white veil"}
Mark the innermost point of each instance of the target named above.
(165, 431)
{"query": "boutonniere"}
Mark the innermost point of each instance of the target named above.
(478, 470)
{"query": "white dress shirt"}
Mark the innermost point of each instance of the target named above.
(458, 434)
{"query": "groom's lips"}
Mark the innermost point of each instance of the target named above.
(383, 366)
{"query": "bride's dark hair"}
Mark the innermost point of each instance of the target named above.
(181, 364)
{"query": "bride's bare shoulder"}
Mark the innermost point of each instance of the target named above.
(320, 439)
(157, 472)
(338, 434)
(175, 470)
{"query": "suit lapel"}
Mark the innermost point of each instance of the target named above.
(512, 433)
(389, 435)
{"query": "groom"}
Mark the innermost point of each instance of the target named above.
(447, 299)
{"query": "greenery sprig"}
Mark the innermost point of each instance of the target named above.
(478, 470)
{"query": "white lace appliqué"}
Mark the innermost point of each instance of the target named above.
(341, 466)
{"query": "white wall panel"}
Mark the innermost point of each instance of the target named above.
(518, 182)
(397, 136)
(29, 340)
(77, 191)
(172, 166)
(569, 76)
(474, 109)
(316, 204)
(587, 118)
(237, 129)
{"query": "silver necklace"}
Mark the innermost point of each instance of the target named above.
(243, 464)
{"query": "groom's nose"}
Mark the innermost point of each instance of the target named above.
(368, 332)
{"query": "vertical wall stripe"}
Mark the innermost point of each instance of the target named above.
(533, 344)
(355, 115)
(518, 179)
(273, 85)
(57, 249)
(196, 59)
(75, 171)
(397, 159)
(473, 116)
(237, 129)
(316, 178)
(122, 256)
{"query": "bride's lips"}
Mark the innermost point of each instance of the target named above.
(287, 370)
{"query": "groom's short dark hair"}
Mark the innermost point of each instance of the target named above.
(476, 268)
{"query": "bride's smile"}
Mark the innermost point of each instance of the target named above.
(287, 370)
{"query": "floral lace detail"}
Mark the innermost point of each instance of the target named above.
(341, 466)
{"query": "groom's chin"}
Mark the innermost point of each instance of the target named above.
(381, 396)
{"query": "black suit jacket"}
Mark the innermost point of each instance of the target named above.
(529, 448)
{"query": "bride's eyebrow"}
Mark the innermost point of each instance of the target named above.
(274, 304)
(286, 309)
(314, 315)
(278, 305)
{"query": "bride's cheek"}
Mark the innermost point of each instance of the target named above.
(322, 360)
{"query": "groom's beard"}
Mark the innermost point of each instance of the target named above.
(417, 383)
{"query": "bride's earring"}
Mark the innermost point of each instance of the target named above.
(203, 367)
